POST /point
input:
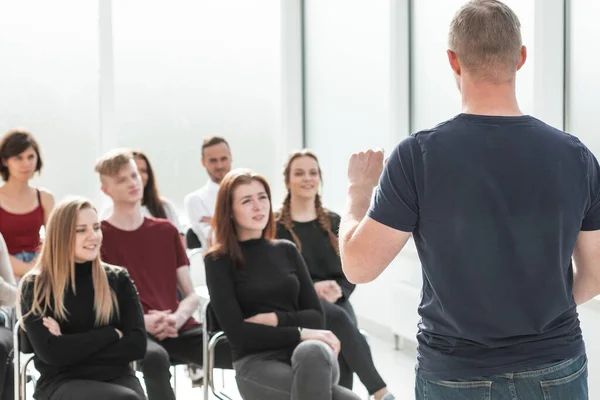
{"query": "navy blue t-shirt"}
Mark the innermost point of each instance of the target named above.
(495, 205)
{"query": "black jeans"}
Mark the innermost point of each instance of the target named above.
(126, 387)
(355, 354)
(185, 349)
(6, 365)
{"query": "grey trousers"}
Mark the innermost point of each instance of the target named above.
(311, 373)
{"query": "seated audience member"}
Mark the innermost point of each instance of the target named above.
(265, 302)
(23, 209)
(8, 296)
(82, 316)
(153, 205)
(200, 205)
(304, 221)
(152, 252)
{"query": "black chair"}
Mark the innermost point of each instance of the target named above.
(22, 345)
(5, 318)
(191, 240)
(217, 352)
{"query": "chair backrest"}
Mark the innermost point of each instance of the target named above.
(5, 318)
(191, 240)
(211, 321)
(197, 270)
(25, 345)
(223, 357)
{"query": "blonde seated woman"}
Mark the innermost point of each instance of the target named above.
(82, 316)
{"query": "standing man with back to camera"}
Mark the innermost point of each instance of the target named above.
(497, 202)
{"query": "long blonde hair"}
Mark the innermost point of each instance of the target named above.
(55, 269)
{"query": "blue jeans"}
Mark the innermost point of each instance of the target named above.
(566, 380)
(25, 256)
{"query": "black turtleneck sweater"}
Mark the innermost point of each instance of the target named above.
(321, 258)
(84, 351)
(273, 278)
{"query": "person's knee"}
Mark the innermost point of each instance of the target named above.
(336, 317)
(318, 357)
(313, 351)
(127, 394)
(156, 359)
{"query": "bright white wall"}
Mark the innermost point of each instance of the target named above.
(347, 89)
(190, 69)
(49, 81)
(173, 75)
(583, 77)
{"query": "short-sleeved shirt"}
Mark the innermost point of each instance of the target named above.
(152, 254)
(495, 205)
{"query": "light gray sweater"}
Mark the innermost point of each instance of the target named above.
(8, 286)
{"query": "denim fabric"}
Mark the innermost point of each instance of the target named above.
(566, 380)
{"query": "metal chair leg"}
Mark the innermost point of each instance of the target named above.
(23, 378)
(212, 345)
(175, 379)
(17, 362)
(205, 358)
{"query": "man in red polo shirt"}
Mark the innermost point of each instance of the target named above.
(152, 252)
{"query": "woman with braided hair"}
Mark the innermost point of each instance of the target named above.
(303, 220)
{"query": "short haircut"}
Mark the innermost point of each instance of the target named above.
(486, 37)
(212, 141)
(13, 143)
(111, 163)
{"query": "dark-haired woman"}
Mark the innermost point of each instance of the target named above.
(303, 220)
(23, 209)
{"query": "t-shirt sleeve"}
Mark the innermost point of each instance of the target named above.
(395, 203)
(591, 220)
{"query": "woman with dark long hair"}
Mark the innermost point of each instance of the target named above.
(303, 220)
(265, 302)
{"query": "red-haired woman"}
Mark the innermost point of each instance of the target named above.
(265, 302)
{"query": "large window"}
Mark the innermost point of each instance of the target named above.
(189, 69)
(347, 61)
(151, 76)
(49, 81)
(583, 78)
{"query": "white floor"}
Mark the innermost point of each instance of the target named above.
(396, 367)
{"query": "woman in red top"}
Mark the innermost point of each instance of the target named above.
(23, 209)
